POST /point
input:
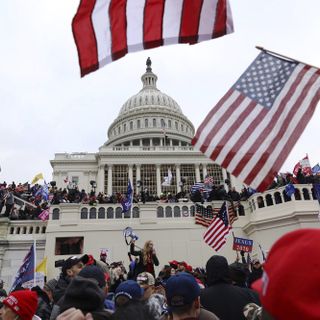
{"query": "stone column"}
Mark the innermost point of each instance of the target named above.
(178, 177)
(109, 190)
(158, 180)
(100, 182)
(225, 176)
(204, 170)
(197, 173)
(138, 175)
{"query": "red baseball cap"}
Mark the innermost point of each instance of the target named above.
(289, 287)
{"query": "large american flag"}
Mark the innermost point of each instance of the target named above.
(253, 128)
(106, 30)
(218, 230)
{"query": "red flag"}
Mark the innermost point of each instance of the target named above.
(304, 165)
(106, 30)
(253, 128)
(219, 228)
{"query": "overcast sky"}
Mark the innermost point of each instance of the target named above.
(47, 108)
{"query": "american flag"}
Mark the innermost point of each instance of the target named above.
(253, 128)
(218, 230)
(106, 30)
(204, 215)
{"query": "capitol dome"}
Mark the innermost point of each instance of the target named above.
(150, 114)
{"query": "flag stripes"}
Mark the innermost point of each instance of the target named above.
(252, 141)
(106, 30)
(204, 215)
(219, 228)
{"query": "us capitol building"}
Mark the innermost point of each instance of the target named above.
(150, 137)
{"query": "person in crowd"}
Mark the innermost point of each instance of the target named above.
(132, 310)
(45, 299)
(70, 268)
(289, 287)
(147, 257)
(153, 301)
(96, 273)
(20, 305)
(9, 202)
(118, 274)
(86, 295)
(256, 271)
(3, 292)
(183, 298)
(221, 297)
(127, 291)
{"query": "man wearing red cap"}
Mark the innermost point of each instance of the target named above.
(20, 304)
(289, 287)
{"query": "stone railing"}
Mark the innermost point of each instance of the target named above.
(274, 197)
(27, 228)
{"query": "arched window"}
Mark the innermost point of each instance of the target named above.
(160, 213)
(176, 212)
(84, 213)
(146, 123)
(306, 195)
(55, 214)
(176, 125)
(138, 124)
(154, 121)
(269, 200)
(124, 127)
(110, 213)
(101, 213)
(163, 124)
(168, 212)
(260, 202)
(131, 125)
(277, 198)
(135, 212)
(169, 124)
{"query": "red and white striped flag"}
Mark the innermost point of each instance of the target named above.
(218, 230)
(106, 30)
(253, 128)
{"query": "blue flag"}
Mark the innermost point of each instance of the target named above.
(43, 191)
(290, 190)
(316, 169)
(26, 271)
(127, 201)
(316, 188)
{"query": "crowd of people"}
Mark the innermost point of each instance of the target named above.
(33, 201)
(93, 289)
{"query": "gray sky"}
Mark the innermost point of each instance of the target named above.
(47, 108)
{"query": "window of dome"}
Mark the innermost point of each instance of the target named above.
(124, 127)
(146, 123)
(154, 121)
(175, 142)
(182, 127)
(176, 125)
(119, 129)
(146, 142)
(169, 123)
(136, 142)
(138, 124)
(156, 142)
(131, 125)
(183, 143)
(163, 124)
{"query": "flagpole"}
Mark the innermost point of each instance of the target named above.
(35, 261)
(283, 56)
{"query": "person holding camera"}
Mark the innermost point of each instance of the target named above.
(147, 258)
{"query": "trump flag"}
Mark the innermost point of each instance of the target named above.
(106, 30)
(253, 128)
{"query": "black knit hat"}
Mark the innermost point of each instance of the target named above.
(83, 294)
(94, 272)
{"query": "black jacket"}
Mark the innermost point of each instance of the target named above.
(222, 298)
(140, 267)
